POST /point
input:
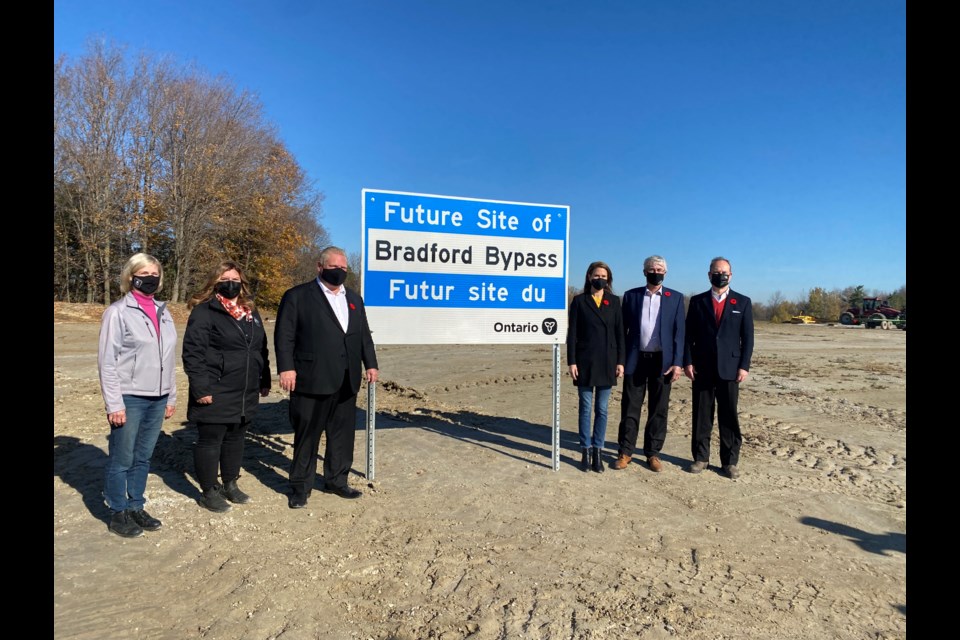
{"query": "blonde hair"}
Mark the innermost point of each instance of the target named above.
(136, 262)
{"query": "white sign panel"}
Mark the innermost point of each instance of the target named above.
(451, 270)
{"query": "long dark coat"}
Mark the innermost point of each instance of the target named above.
(595, 340)
(227, 359)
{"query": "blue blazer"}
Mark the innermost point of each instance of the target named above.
(719, 351)
(672, 327)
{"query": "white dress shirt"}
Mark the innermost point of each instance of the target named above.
(650, 324)
(338, 300)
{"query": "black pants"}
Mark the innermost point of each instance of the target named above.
(218, 445)
(310, 416)
(710, 391)
(647, 379)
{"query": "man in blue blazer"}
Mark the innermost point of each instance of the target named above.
(653, 320)
(716, 357)
(323, 343)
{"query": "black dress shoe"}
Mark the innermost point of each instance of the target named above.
(146, 521)
(344, 492)
(297, 502)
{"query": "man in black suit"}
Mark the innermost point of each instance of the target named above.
(716, 356)
(321, 339)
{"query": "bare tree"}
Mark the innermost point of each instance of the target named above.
(92, 117)
(159, 158)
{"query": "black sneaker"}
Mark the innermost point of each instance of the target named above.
(123, 525)
(232, 492)
(213, 500)
(146, 521)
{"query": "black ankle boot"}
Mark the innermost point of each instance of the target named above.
(213, 500)
(233, 493)
(597, 463)
(585, 460)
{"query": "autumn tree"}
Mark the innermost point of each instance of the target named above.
(823, 305)
(151, 156)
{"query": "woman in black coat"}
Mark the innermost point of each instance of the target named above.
(595, 356)
(226, 360)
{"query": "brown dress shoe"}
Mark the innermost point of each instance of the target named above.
(654, 463)
(621, 462)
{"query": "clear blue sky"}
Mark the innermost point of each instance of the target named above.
(771, 132)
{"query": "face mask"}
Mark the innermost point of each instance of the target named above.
(336, 277)
(654, 278)
(229, 289)
(719, 280)
(598, 283)
(146, 285)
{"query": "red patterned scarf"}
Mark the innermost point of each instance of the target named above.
(236, 310)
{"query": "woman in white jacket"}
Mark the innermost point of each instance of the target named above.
(136, 359)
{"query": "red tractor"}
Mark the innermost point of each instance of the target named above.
(872, 312)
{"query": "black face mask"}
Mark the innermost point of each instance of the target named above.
(336, 277)
(654, 278)
(719, 280)
(598, 283)
(146, 285)
(229, 289)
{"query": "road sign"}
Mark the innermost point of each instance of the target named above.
(453, 270)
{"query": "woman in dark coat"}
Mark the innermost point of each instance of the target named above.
(595, 356)
(227, 363)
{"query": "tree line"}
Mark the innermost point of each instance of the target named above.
(154, 156)
(825, 306)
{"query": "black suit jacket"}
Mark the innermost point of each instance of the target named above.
(595, 339)
(308, 339)
(719, 351)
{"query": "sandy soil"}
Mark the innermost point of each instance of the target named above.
(467, 531)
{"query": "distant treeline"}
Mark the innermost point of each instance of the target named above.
(158, 157)
(824, 305)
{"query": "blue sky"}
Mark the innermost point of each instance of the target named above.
(770, 132)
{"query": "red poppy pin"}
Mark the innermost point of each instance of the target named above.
(666, 293)
(606, 302)
(733, 301)
(351, 306)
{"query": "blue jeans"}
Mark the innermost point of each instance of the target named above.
(600, 412)
(131, 447)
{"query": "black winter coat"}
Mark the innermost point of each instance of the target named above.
(224, 359)
(595, 340)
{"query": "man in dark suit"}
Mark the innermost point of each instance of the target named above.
(653, 320)
(717, 357)
(321, 338)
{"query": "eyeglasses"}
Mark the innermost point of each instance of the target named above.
(720, 273)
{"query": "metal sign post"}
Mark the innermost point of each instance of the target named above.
(556, 407)
(371, 429)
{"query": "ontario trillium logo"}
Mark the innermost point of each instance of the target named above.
(549, 326)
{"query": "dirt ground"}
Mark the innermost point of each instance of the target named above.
(467, 532)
